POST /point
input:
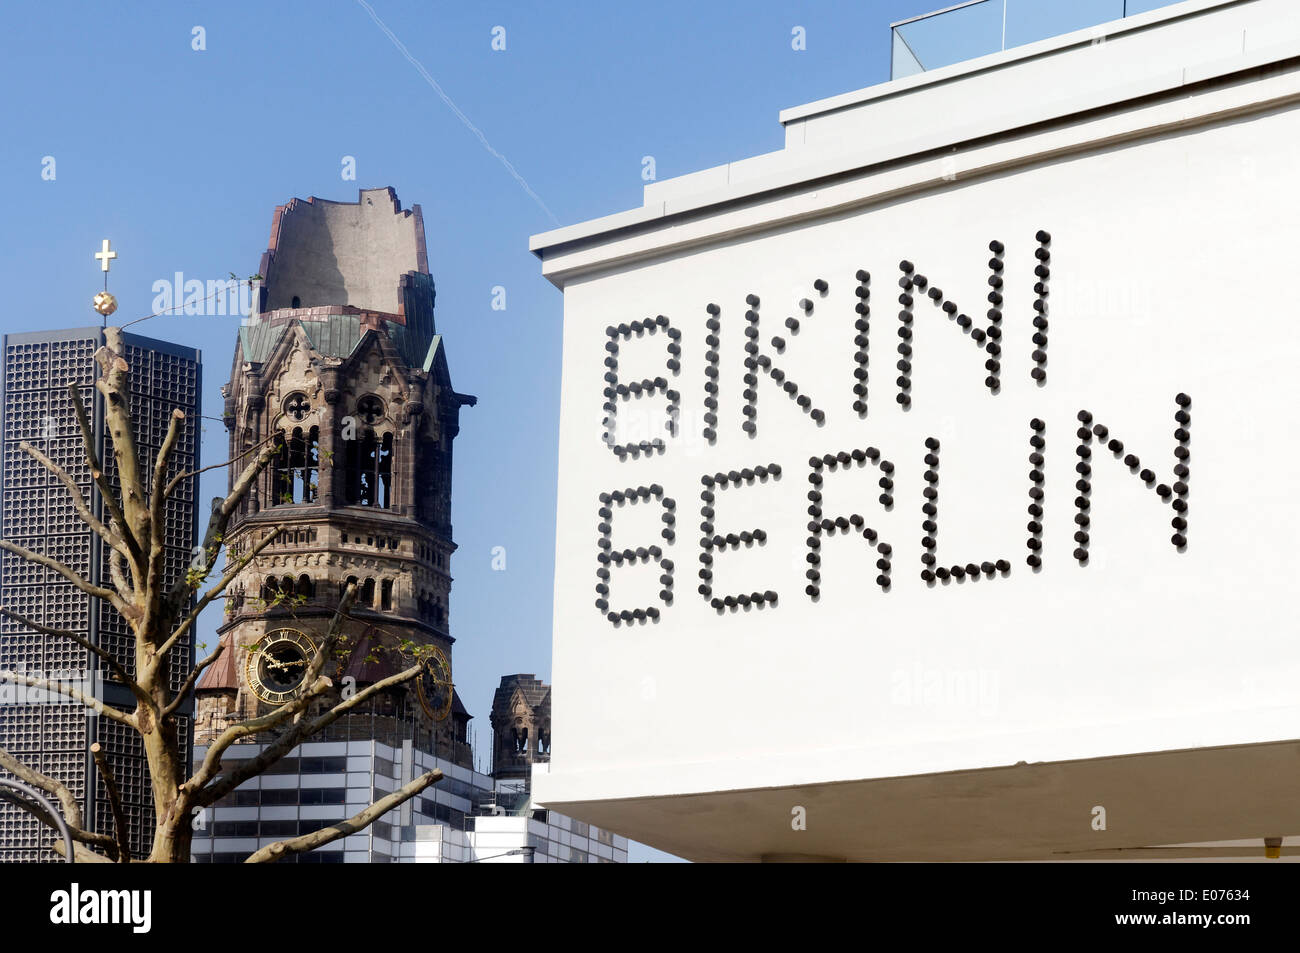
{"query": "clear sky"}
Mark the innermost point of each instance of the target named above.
(180, 155)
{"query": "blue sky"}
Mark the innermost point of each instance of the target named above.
(181, 155)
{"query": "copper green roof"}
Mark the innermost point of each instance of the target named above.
(336, 335)
(337, 330)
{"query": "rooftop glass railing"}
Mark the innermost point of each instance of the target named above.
(979, 27)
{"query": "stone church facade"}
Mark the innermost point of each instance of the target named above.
(342, 364)
(521, 727)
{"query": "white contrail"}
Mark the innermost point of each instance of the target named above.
(456, 109)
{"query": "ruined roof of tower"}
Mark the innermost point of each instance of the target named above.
(220, 676)
(534, 690)
(341, 268)
(324, 252)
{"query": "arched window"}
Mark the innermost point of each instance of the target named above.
(367, 595)
(386, 594)
(370, 470)
(270, 589)
(353, 455)
(305, 586)
(295, 470)
(286, 586)
(296, 302)
(384, 472)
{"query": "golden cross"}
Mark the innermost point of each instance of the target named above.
(105, 256)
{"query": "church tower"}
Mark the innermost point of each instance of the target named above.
(521, 727)
(341, 362)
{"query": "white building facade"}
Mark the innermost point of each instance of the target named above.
(929, 478)
(464, 818)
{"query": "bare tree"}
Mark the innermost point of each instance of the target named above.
(160, 616)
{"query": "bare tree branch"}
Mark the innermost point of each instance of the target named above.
(84, 855)
(114, 384)
(114, 802)
(113, 664)
(343, 707)
(254, 726)
(157, 515)
(192, 616)
(44, 816)
(78, 501)
(178, 478)
(222, 510)
(98, 592)
(33, 807)
(159, 495)
(190, 681)
(135, 550)
(94, 704)
(67, 800)
(197, 787)
(295, 736)
(326, 835)
(117, 569)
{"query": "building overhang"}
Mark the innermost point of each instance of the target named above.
(1193, 804)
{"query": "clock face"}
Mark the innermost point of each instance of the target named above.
(277, 665)
(433, 684)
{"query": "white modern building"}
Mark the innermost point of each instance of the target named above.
(929, 479)
(510, 828)
(464, 818)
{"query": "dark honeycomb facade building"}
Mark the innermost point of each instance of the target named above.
(50, 734)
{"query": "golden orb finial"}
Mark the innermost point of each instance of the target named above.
(105, 303)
